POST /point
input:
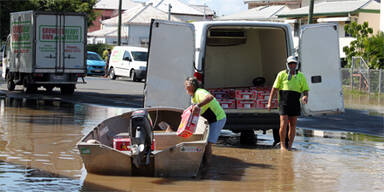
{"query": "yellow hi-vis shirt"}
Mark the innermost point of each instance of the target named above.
(211, 111)
(297, 83)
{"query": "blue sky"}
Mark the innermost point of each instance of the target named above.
(221, 7)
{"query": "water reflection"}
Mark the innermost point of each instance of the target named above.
(38, 153)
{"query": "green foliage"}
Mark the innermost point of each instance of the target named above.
(99, 48)
(9, 6)
(370, 48)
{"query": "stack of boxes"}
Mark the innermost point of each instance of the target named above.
(243, 98)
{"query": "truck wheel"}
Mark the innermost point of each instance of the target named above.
(10, 84)
(248, 137)
(48, 88)
(112, 75)
(30, 89)
(67, 89)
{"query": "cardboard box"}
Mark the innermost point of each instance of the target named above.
(245, 94)
(223, 93)
(246, 104)
(227, 103)
(262, 104)
(188, 123)
(122, 144)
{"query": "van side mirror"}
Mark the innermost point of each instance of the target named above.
(127, 59)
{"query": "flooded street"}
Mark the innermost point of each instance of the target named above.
(38, 153)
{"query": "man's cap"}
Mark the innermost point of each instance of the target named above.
(291, 59)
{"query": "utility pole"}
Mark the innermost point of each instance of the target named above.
(119, 26)
(169, 11)
(310, 15)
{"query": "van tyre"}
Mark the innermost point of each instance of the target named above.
(48, 88)
(132, 76)
(10, 84)
(67, 89)
(112, 75)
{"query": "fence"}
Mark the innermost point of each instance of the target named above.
(371, 81)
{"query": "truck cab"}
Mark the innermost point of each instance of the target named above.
(228, 56)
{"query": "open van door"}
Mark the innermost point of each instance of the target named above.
(320, 63)
(170, 62)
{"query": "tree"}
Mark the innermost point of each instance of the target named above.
(370, 48)
(7, 7)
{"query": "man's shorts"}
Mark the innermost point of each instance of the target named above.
(290, 110)
(215, 129)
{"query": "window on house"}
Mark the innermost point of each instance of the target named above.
(345, 33)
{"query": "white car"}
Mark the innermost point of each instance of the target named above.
(128, 61)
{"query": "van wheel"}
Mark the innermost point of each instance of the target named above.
(132, 76)
(10, 84)
(112, 75)
(67, 89)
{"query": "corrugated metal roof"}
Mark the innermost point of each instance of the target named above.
(178, 7)
(257, 13)
(141, 14)
(203, 8)
(114, 4)
(332, 8)
(105, 32)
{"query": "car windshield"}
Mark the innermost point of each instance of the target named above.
(94, 57)
(139, 55)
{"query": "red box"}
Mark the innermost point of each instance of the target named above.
(246, 104)
(262, 104)
(188, 123)
(245, 94)
(227, 103)
(223, 93)
(122, 144)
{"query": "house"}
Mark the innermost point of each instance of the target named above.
(338, 12)
(106, 9)
(135, 26)
(260, 13)
(184, 11)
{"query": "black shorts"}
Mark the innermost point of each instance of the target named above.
(290, 110)
(289, 103)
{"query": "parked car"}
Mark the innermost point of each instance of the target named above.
(95, 64)
(128, 61)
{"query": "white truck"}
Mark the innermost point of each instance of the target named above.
(232, 54)
(45, 49)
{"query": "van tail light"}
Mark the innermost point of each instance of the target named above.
(198, 76)
(38, 75)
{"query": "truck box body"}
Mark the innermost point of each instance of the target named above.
(46, 48)
(231, 54)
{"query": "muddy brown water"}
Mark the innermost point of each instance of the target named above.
(38, 153)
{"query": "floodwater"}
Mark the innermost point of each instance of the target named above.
(38, 153)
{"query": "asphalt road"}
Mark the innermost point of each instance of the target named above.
(97, 90)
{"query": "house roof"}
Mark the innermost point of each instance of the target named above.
(105, 32)
(178, 7)
(333, 8)
(257, 13)
(141, 14)
(114, 4)
(203, 8)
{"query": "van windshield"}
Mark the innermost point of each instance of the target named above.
(94, 57)
(139, 55)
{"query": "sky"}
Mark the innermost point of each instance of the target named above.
(221, 7)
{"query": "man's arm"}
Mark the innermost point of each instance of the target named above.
(271, 96)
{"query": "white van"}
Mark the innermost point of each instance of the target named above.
(231, 54)
(128, 61)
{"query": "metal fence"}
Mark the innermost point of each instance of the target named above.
(371, 81)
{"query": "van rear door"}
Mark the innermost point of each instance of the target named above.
(320, 63)
(170, 62)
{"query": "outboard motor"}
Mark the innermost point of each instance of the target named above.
(141, 137)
